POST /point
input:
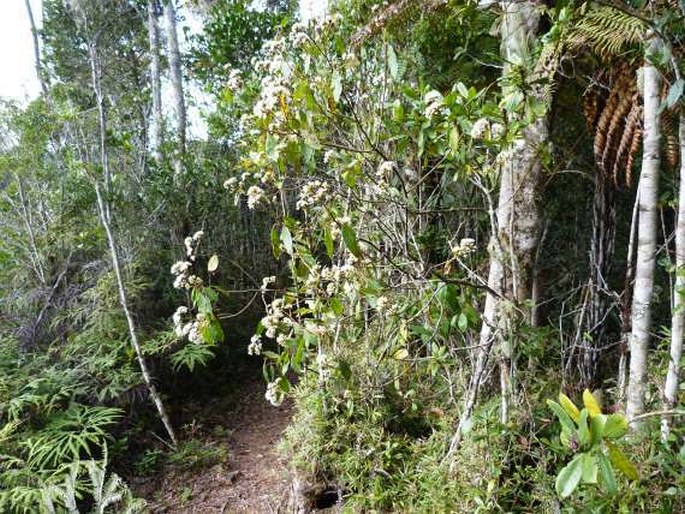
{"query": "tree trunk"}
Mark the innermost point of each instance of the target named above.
(601, 257)
(155, 80)
(518, 219)
(646, 244)
(516, 229)
(678, 318)
(104, 212)
(36, 48)
(176, 73)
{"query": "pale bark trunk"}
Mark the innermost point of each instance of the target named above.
(104, 212)
(518, 218)
(516, 231)
(176, 74)
(36, 48)
(155, 80)
(678, 318)
(626, 304)
(646, 246)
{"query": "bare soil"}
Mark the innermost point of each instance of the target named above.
(253, 479)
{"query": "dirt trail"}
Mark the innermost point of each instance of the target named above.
(253, 479)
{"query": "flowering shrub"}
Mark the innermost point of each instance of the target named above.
(200, 325)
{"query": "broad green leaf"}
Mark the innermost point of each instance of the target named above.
(583, 430)
(588, 464)
(392, 63)
(397, 111)
(287, 240)
(591, 403)
(337, 86)
(569, 407)
(616, 426)
(213, 263)
(275, 243)
(621, 462)
(569, 477)
(454, 139)
(606, 472)
(350, 239)
(675, 92)
(597, 428)
(564, 418)
(401, 354)
(328, 241)
(462, 322)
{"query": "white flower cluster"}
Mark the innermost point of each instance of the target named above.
(273, 395)
(336, 275)
(182, 269)
(313, 193)
(190, 329)
(385, 170)
(255, 346)
(266, 282)
(325, 364)
(434, 104)
(235, 81)
(298, 34)
(465, 248)
(276, 319)
(191, 244)
(255, 196)
(483, 129)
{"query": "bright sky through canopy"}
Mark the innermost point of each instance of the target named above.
(16, 50)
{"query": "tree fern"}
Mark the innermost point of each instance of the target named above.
(608, 32)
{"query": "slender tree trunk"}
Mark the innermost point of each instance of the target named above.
(104, 212)
(155, 80)
(626, 304)
(601, 256)
(36, 48)
(518, 219)
(646, 244)
(176, 73)
(147, 378)
(678, 319)
(516, 230)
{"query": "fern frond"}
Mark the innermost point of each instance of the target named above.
(398, 11)
(608, 32)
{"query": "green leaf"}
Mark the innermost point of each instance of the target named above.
(569, 477)
(287, 240)
(591, 403)
(597, 429)
(328, 241)
(392, 63)
(675, 92)
(621, 462)
(569, 407)
(454, 139)
(588, 464)
(397, 111)
(583, 430)
(337, 86)
(606, 472)
(401, 354)
(213, 263)
(350, 239)
(564, 418)
(462, 322)
(616, 426)
(275, 243)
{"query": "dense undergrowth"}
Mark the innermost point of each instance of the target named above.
(338, 222)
